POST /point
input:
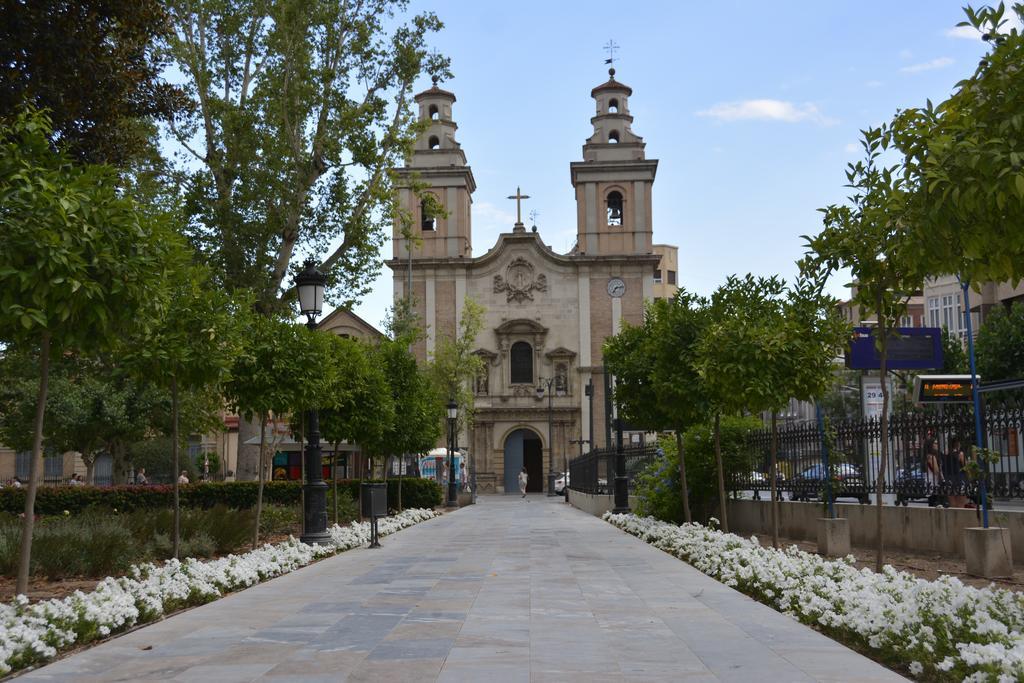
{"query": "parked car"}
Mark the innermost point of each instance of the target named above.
(561, 483)
(848, 483)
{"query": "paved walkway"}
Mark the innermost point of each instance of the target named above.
(506, 590)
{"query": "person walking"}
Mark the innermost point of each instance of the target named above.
(183, 477)
(933, 476)
(140, 477)
(523, 479)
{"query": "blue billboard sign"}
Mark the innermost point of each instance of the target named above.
(909, 348)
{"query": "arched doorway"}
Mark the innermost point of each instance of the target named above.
(524, 448)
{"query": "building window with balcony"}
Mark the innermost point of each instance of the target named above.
(657, 277)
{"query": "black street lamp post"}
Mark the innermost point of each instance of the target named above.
(453, 414)
(547, 384)
(621, 482)
(310, 283)
(579, 441)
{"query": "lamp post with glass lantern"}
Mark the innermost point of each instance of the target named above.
(453, 415)
(310, 283)
(545, 384)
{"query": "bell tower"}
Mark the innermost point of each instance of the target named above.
(613, 182)
(438, 166)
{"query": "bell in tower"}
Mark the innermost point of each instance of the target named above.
(434, 187)
(613, 182)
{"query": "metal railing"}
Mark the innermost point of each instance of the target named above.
(594, 472)
(855, 456)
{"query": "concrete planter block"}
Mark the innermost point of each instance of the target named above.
(833, 537)
(988, 552)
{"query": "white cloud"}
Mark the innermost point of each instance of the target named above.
(490, 218)
(873, 84)
(766, 110)
(937, 63)
(852, 147)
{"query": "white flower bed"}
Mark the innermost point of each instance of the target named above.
(33, 633)
(935, 630)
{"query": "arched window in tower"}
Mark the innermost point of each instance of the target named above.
(613, 106)
(434, 114)
(434, 142)
(521, 360)
(613, 137)
(428, 221)
(614, 208)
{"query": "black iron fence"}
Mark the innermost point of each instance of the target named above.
(926, 456)
(594, 472)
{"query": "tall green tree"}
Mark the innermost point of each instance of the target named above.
(78, 265)
(95, 66)
(869, 236)
(283, 367)
(300, 110)
(962, 160)
(656, 381)
(742, 358)
(191, 347)
(1001, 344)
(454, 365)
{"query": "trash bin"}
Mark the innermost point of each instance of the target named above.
(374, 505)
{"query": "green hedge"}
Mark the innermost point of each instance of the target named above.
(54, 500)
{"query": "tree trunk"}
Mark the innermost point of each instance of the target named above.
(261, 474)
(119, 461)
(246, 467)
(723, 503)
(884, 424)
(90, 469)
(772, 474)
(682, 477)
(174, 472)
(34, 469)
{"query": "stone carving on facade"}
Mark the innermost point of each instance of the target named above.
(519, 281)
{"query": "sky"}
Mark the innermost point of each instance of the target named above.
(753, 110)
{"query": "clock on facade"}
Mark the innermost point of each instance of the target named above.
(616, 287)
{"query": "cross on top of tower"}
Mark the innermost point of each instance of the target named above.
(519, 197)
(610, 48)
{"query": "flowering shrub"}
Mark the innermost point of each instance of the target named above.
(936, 630)
(34, 633)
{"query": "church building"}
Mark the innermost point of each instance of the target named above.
(547, 314)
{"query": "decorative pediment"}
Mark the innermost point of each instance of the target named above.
(560, 352)
(520, 326)
(485, 353)
(520, 281)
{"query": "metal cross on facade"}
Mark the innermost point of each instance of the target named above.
(519, 197)
(533, 216)
(610, 48)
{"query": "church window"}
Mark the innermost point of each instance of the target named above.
(613, 106)
(614, 208)
(657, 277)
(521, 358)
(434, 142)
(613, 137)
(434, 114)
(671, 277)
(428, 222)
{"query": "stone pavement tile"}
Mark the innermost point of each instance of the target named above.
(317, 663)
(238, 672)
(471, 672)
(544, 676)
(405, 648)
(824, 664)
(424, 629)
(391, 671)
